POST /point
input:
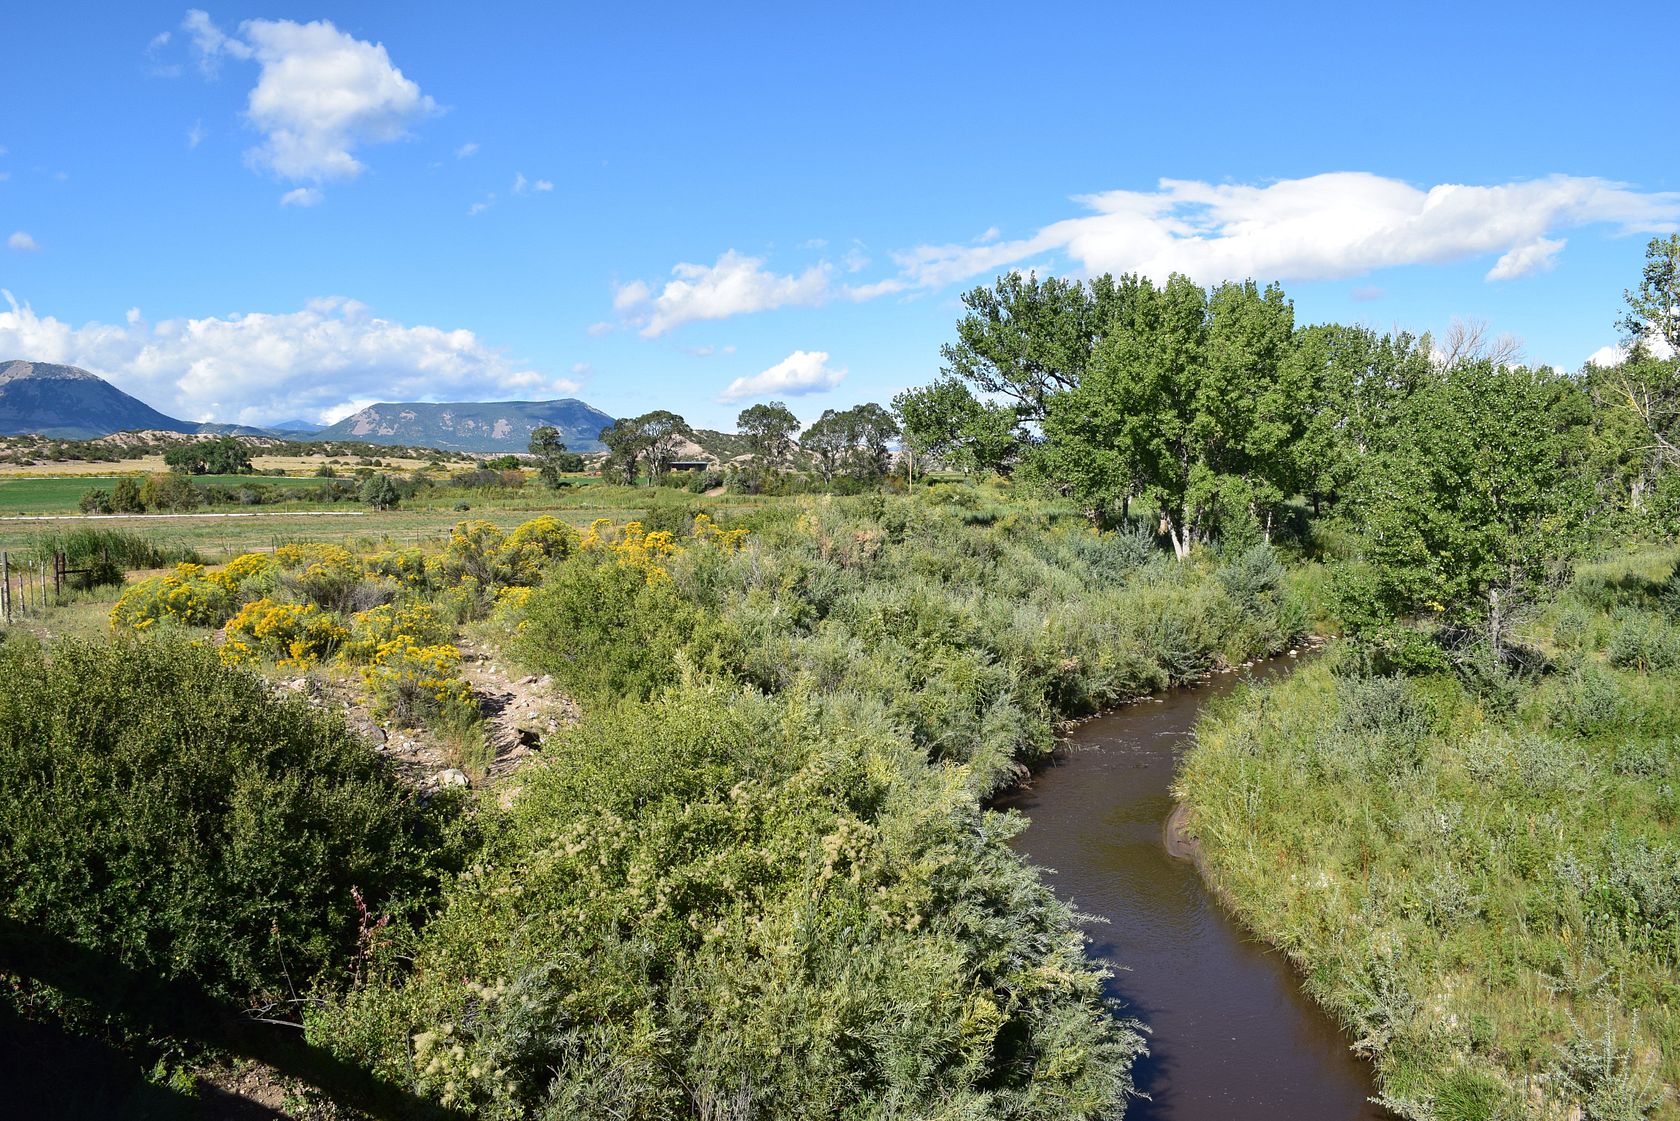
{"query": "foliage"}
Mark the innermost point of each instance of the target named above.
(186, 596)
(418, 683)
(1461, 883)
(224, 455)
(721, 897)
(379, 492)
(297, 634)
(1478, 495)
(170, 812)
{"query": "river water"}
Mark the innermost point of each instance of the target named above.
(1233, 1037)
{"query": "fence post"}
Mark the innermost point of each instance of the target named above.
(6, 585)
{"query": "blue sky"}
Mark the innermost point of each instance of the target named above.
(263, 211)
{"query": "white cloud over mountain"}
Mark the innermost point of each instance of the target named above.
(802, 372)
(1323, 227)
(258, 367)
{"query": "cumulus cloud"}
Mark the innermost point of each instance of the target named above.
(320, 93)
(802, 372)
(735, 285)
(22, 242)
(302, 196)
(257, 368)
(1323, 227)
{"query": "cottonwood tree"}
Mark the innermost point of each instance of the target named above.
(1027, 340)
(1188, 402)
(1480, 490)
(1649, 378)
(625, 443)
(553, 460)
(947, 423)
(856, 441)
(769, 429)
(662, 433)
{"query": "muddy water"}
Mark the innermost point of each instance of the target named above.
(1233, 1036)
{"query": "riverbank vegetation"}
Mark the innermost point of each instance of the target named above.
(1478, 874)
(756, 876)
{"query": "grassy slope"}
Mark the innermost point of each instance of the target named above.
(1487, 893)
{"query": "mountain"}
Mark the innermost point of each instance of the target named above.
(71, 404)
(472, 426)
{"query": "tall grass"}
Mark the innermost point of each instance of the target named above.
(1487, 894)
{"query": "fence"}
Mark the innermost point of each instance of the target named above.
(33, 584)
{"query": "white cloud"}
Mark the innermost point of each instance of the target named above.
(478, 208)
(1324, 227)
(320, 93)
(466, 149)
(522, 185)
(596, 330)
(582, 369)
(802, 372)
(256, 368)
(210, 43)
(195, 134)
(1539, 255)
(302, 196)
(735, 285)
(22, 242)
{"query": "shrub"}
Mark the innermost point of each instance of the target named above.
(185, 596)
(172, 813)
(298, 634)
(415, 683)
(410, 624)
(1645, 643)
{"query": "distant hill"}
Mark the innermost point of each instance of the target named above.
(71, 404)
(476, 426)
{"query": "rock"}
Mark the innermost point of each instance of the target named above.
(543, 682)
(450, 777)
(532, 680)
(367, 729)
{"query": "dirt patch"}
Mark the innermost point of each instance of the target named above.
(519, 713)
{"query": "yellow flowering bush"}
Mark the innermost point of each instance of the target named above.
(412, 624)
(475, 551)
(411, 568)
(529, 548)
(299, 634)
(707, 531)
(246, 574)
(633, 546)
(186, 596)
(413, 682)
(321, 573)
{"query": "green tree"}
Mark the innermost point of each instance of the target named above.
(186, 457)
(769, 430)
(1188, 403)
(625, 443)
(947, 423)
(553, 460)
(829, 439)
(1027, 340)
(379, 492)
(1480, 491)
(226, 455)
(126, 497)
(870, 430)
(663, 432)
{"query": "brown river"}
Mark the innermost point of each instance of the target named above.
(1232, 1035)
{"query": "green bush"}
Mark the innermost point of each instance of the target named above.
(172, 813)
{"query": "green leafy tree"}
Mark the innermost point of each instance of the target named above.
(379, 492)
(625, 443)
(126, 497)
(1188, 403)
(1027, 340)
(1480, 492)
(829, 439)
(663, 432)
(871, 431)
(553, 460)
(769, 429)
(947, 423)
